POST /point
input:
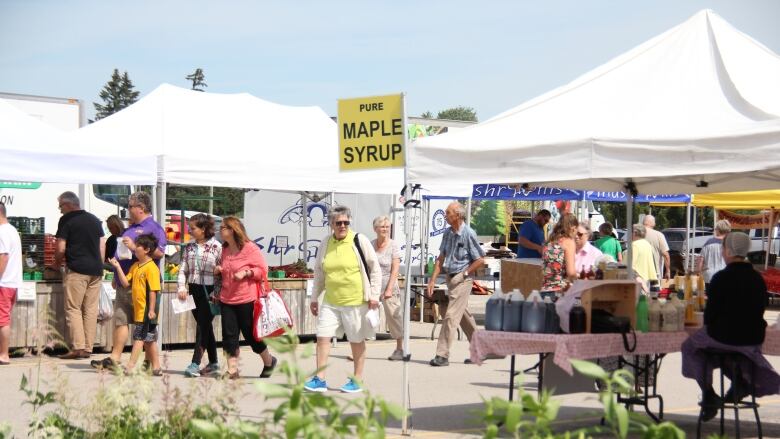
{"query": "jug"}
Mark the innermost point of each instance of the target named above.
(513, 312)
(577, 318)
(494, 312)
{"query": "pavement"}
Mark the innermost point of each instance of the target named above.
(444, 401)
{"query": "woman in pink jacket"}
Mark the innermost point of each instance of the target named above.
(243, 266)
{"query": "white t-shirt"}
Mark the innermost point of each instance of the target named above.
(11, 245)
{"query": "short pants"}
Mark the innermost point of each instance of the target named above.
(7, 300)
(123, 306)
(335, 321)
(145, 332)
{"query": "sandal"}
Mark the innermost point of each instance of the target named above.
(230, 375)
(157, 372)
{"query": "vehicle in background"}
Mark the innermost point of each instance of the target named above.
(675, 237)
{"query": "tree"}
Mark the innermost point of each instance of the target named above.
(489, 219)
(198, 79)
(458, 113)
(231, 200)
(118, 93)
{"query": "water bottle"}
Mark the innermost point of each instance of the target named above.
(429, 268)
(642, 315)
(577, 318)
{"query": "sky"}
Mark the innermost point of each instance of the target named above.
(488, 55)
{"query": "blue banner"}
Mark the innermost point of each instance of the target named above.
(541, 193)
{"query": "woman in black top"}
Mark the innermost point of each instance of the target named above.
(733, 321)
(116, 227)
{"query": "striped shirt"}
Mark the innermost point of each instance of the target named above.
(198, 262)
(460, 249)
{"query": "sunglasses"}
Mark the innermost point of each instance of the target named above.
(341, 223)
(580, 234)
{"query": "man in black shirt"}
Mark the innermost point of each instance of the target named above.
(81, 244)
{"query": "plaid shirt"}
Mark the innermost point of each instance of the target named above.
(197, 264)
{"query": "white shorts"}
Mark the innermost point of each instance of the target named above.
(335, 321)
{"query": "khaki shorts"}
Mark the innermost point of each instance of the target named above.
(335, 321)
(123, 306)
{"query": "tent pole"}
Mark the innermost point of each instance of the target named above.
(211, 200)
(691, 250)
(161, 197)
(769, 243)
(630, 234)
(687, 234)
(408, 221)
(304, 253)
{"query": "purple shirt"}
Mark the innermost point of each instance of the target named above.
(145, 227)
(586, 257)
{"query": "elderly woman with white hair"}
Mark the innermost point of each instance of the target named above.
(389, 254)
(643, 257)
(348, 271)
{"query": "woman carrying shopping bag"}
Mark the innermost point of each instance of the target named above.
(242, 268)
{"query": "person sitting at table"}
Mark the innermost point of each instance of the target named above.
(643, 258)
(586, 254)
(734, 322)
(558, 264)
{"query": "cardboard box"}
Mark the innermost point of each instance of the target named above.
(617, 297)
(523, 274)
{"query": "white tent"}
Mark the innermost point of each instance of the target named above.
(696, 109)
(31, 150)
(236, 140)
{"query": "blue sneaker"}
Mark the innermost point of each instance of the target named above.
(315, 384)
(192, 371)
(352, 386)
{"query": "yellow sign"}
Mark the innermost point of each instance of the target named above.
(371, 132)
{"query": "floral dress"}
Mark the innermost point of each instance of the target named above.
(554, 270)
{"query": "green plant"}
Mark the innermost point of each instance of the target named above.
(531, 418)
(309, 415)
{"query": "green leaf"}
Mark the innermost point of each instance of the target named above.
(270, 390)
(394, 410)
(622, 420)
(294, 423)
(589, 369)
(513, 414)
(623, 385)
(205, 429)
(491, 432)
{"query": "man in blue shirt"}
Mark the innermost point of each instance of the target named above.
(531, 236)
(459, 257)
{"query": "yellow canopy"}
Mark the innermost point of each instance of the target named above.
(734, 200)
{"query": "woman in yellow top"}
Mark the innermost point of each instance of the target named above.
(348, 270)
(643, 257)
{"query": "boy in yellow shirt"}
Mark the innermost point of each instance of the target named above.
(144, 279)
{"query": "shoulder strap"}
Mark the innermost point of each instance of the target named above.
(362, 256)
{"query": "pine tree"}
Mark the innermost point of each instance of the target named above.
(198, 79)
(118, 93)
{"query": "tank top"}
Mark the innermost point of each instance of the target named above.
(554, 267)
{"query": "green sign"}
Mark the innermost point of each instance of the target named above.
(19, 185)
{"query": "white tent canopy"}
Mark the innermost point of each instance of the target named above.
(696, 109)
(236, 140)
(31, 150)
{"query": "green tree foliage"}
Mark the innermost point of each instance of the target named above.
(198, 79)
(118, 93)
(231, 200)
(489, 218)
(458, 113)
